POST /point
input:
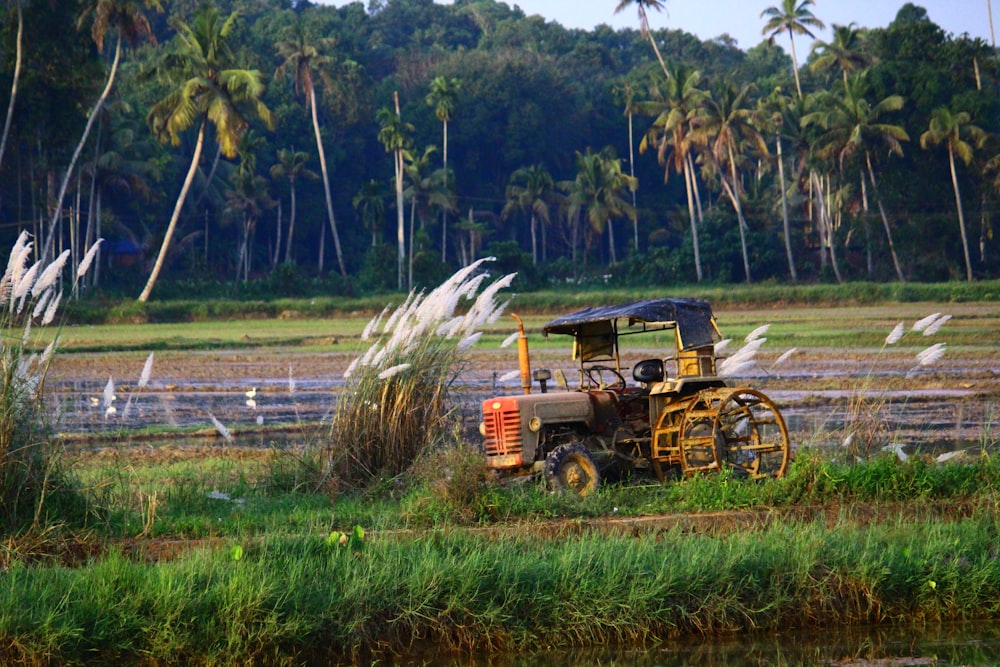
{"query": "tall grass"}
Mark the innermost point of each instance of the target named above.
(866, 426)
(294, 597)
(30, 295)
(395, 406)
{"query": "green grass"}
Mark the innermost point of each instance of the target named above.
(240, 601)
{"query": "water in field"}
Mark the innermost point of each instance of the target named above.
(960, 645)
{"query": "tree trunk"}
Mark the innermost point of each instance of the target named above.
(885, 219)
(400, 225)
(291, 224)
(631, 172)
(784, 215)
(734, 196)
(409, 263)
(444, 211)
(172, 225)
(688, 178)
(326, 183)
(83, 140)
(13, 85)
(795, 64)
(534, 240)
(961, 215)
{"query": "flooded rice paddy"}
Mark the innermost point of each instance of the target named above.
(283, 390)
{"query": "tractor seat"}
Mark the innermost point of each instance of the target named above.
(648, 371)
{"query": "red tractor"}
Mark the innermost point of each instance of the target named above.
(677, 418)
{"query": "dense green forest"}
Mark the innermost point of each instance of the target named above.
(251, 147)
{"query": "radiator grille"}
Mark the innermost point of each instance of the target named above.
(503, 444)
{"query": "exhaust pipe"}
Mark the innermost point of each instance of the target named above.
(522, 356)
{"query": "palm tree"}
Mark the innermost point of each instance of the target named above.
(125, 17)
(846, 51)
(205, 90)
(304, 58)
(795, 18)
(427, 190)
(369, 201)
(442, 96)
(597, 194)
(670, 134)
(291, 165)
(628, 97)
(852, 127)
(529, 191)
(956, 131)
(246, 201)
(642, 6)
(723, 126)
(394, 135)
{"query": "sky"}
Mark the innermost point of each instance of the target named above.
(708, 19)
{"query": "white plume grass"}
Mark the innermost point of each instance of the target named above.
(784, 357)
(50, 274)
(757, 333)
(896, 334)
(147, 372)
(393, 371)
(931, 355)
(936, 325)
(509, 340)
(88, 259)
(923, 323)
(395, 405)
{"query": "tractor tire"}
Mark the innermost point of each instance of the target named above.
(570, 468)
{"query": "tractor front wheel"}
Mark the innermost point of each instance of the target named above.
(571, 468)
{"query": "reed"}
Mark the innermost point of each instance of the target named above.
(30, 472)
(866, 430)
(395, 406)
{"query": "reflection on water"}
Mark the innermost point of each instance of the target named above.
(966, 645)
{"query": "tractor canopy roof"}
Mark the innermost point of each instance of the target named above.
(692, 318)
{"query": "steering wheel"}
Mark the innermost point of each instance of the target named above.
(596, 376)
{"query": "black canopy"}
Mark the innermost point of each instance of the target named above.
(693, 318)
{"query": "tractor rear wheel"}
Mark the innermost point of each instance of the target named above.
(755, 435)
(571, 468)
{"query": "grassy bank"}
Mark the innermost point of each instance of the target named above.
(293, 596)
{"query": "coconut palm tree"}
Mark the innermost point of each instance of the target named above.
(956, 132)
(394, 135)
(442, 96)
(670, 135)
(130, 25)
(427, 190)
(291, 165)
(723, 127)
(846, 51)
(369, 201)
(852, 127)
(205, 90)
(795, 18)
(304, 59)
(246, 201)
(529, 191)
(596, 193)
(641, 7)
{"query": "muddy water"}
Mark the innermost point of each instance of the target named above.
(966, 645)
